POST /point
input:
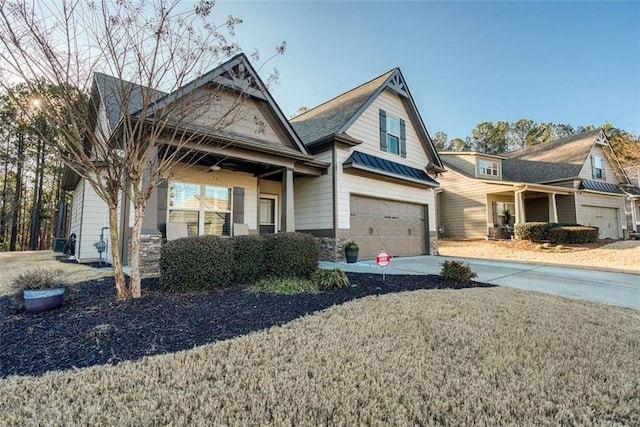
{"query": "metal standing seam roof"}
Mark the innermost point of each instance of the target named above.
(388, 167)
(603, 187)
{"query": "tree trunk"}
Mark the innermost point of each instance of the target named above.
(3, 209)
(138, 215)
(61, 211)
(17, 196)
(116, 261)
(37, 199)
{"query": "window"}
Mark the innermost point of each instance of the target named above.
(205, 209)
(393, 135)
(597, 167)
(488, 167)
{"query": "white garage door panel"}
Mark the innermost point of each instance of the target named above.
(396, 227)
(606, 219)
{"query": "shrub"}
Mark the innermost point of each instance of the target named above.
(559, 248)
(330, 278)
(290, 254)
(457, 271)
(39, 278)
(546, 245)
(573, 234)
(248, 259)
(534, 231)
(351, 246)
(196, 263)
(285, 285)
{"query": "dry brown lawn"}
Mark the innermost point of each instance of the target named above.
(12, 264)
(480, 356)
(621, 255)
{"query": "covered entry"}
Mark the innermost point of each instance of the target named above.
(397, 227)
(606, 219)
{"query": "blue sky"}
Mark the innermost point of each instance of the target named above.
(464, 62)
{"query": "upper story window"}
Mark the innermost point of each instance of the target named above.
(597, 167)
(488, 168)
(204, 208)
(392, 134)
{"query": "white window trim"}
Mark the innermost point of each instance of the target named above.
(493, 166)
(389, 133)
(595, 159)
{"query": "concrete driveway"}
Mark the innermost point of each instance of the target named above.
(610, 288)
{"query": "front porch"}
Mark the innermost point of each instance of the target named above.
(527, 203)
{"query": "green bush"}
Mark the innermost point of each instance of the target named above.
(285, 285)
(196, 264)
(533, 231)
(290, 254)
(457, 271)
(330, 278)
(573, 234)
(248, 259)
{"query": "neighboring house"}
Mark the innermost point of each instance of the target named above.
(380, 188)
(571, 180)
(356, 167)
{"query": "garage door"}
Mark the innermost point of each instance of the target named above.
(396, 227)
(606, 219)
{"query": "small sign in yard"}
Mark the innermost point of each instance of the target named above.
(383, 259)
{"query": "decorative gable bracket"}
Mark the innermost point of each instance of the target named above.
(396, 83)
(238, 77)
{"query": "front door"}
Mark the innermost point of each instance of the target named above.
(267, 214)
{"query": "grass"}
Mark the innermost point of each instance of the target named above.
(487, 356)
(285, 285)
(15, 263)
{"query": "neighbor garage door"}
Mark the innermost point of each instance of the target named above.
(396, 227)
(606, 219)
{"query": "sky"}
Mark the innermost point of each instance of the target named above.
(464, 62)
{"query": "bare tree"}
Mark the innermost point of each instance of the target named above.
(161, 105)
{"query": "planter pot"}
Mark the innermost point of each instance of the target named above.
(351, 255)
(39, 300)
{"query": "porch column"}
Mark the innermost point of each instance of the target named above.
(288, 213)
(520, 216)
(553, 210)
(634, 215)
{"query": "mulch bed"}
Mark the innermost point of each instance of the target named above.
(94, 328)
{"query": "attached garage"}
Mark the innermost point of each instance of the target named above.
(397, 227)
(606, 219)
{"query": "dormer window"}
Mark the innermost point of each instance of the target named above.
(393, 137)
(488, 168)
(597, 167)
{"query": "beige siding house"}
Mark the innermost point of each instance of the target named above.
(380, 188)
(360, 166)
(575, 180)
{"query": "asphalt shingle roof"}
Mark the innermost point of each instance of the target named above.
(328, 118)
(114, 91)
(551, 161)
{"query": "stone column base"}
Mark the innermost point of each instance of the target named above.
(332, 249)
(150, 244)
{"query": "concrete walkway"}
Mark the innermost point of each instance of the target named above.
(618, 289)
